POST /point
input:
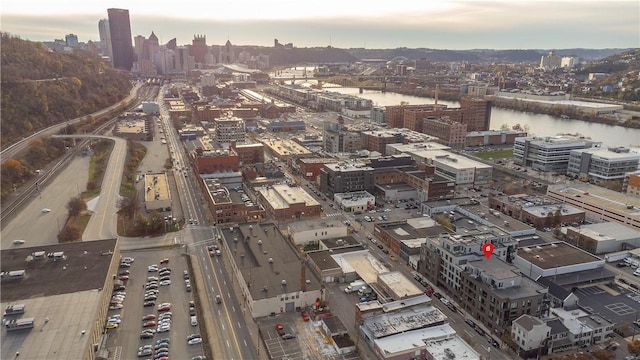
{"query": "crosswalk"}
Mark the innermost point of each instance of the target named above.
(333, 214)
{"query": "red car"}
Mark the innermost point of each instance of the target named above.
(149, 324)
(123, 277)
(164, 308)
(305, 315)
(280, 329)
(148, 317)
(164, 261)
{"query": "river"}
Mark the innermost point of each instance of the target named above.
(539, 125)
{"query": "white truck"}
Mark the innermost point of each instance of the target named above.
(364, 290)
(355, 286)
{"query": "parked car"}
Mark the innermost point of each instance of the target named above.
(148, 317)
(305, 315)
(280, 329)
(164, 261)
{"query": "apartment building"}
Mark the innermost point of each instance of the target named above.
(378, 140)
(442, 257)
(496, 293)
(549, 153)
(597, 165)
(631, 184)
(346, 177)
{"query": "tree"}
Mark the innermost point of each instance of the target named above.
(69, 233)
(634, 347)
(504, 126)
(129, 205)
(75, 206)
(602, 354)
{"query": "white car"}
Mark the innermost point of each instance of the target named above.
(152, 268)
(165, 282)
(46, 210)
(164, 328)
(194, 341)
(115, 307)
(127, 259)
(114, 321)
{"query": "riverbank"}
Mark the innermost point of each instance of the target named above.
(557, 110)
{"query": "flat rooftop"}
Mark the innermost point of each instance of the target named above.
(363, 263)
(544, 210)
(607, 231)
(58, 324)
(399, 284)
(219, 193)
(311, 224)
(403, 230)
(283, 196)
(442, 342)
(558, 254)
(345, 167)
(591, 194)
(285, 147)
(156, 188)
(84, 267)
(404, 320)
(504, 222)
(455, 161)
(265, 260)
(420, 146)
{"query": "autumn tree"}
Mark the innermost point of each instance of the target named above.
(75, 206)
(634, 347)
(129, 205)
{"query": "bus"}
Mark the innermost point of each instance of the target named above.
(19, 324)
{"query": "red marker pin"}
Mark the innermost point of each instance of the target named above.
(487, 249)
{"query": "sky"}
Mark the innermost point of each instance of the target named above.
(376, 24)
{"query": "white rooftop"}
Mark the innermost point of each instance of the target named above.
(441, 342)
(283, 196)
(363, 263)
(399, 284)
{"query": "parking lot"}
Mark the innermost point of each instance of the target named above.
(125, 339)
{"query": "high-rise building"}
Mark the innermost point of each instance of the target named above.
(121, 41)
(71, 40)
(550, 61)
(199, 48)
(105, 38)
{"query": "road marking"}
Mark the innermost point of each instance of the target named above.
(221, 324)
(209, 276)
(225, 282)
(239, 326)
(227, 343)
(245, 342)
(234, 310)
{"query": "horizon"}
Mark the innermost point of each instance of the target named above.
(444, 24)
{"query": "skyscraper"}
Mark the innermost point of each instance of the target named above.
(105, 39)
(121, 42)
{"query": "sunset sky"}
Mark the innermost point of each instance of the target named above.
(441, 24)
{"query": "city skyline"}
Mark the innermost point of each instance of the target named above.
(445, 24)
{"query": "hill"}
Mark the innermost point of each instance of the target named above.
(41, 88)
(478, 55)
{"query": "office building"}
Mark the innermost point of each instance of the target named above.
(450, 133)
(71, 40)
(105, 39)
(598, 165)
(228, 130)
(121, 41)
(550, 153)
(602, 238)
(199, 48)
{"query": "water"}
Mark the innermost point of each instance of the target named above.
(539, 125)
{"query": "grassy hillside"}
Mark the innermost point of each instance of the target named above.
(41, 88)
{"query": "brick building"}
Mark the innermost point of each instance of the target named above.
(449, 132)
